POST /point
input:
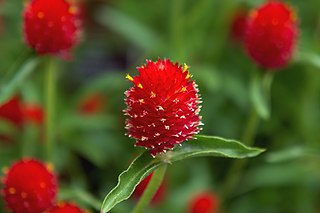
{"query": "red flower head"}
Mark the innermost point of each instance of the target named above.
(238, 25)
(162, 106)
(92, 104)
(33, 113)
(65, 208)
(29, 187)
(158, 196)
(51, 27)
(271, 34)
(12, 111)
(205, 202)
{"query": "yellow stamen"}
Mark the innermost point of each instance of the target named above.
(153, 95)
(12, 190)
(129, 77)
(141, 101)
(40, 15)
(50, 167)
(73, 10)
(185, 67)
(183, 89)
(188, 76)
(140, 86)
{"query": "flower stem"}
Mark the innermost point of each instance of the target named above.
(248, 136)
(152, 187)
(50, 107)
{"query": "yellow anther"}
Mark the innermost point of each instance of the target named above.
(129, 77)
(12, 190)
(183, 89)
(50, 167)
(153, 95)
(253, 13)
(140, 86)
(185, 67)
(188, 76)
(73, 10)
(141, 101)
(40, 15)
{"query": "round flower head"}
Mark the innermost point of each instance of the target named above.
(271, 35)
(12, 111)
(205, 202)
(65, 208)
(33, 113)
(51, 27)
(238, 25)
(162, 106)
(29, 187)
(158, 196)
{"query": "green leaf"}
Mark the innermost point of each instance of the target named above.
(260, 93)
(145, 164)
(131, 29)
(308, 58)
(8, 89)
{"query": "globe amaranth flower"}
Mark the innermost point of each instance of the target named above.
(11, 111)
(92, 104)
(29, 187)
(65, 208)
(163, 106)
(33, 113)
(159, 194)
(204, 202)
(239, 25)
(51, 27)
(271, 34)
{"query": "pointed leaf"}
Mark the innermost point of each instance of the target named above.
(145, 164)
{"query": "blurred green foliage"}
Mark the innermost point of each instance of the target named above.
(92, 150)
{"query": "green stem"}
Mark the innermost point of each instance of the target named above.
(248, 136)
(50, 107)
(151, 189)
(234, 172)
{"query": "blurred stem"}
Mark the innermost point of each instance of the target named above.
(50, 107)
(248, 136)
(151, 189)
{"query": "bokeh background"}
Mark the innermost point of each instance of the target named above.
(91, 148)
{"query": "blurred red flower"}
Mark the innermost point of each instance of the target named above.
(92, 104)
(65, 208)
(51, 27)
(238, 25)
(29, 187)
(205, 202)
(271, 34)
(158, 196)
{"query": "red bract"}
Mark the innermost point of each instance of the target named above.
(11, 111)
(51, 27)
(271, 35)
(162, 106)
(65, 208)
(33, 113)
(238, 25)
(29, 187)
(92, 104)
(205, 202)
(158, 196)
